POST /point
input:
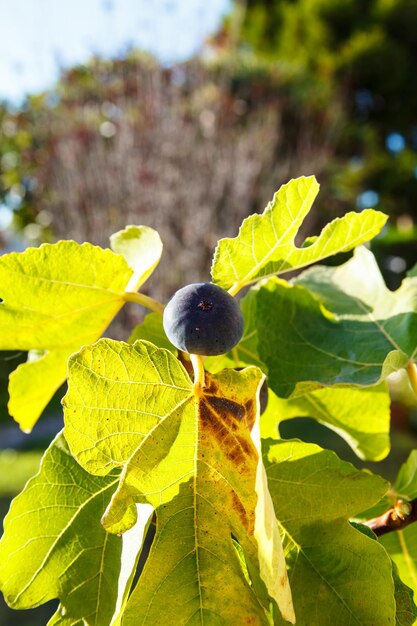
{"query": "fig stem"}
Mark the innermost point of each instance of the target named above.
(141, 298)
(412, 376)
(198, 367)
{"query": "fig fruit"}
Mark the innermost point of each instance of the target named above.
(203, 318)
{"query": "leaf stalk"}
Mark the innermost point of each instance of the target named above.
(147, 301)
(411, 370)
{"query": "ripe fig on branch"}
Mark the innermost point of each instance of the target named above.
(203, 318)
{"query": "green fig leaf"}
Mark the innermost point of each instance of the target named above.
(360, 415)
(193, 454)
(54, 546)
(337, 574)
(55, 299)
(59, 297)
(141, 246)
(265, 244)
(334, 327)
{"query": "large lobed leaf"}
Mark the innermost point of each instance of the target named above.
(193, 455)
(335, 326)
(117, 395)
(338, 575)
(265, 244)
(59, 297)
(54, 546)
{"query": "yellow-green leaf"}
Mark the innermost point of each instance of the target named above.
(265, 244)
(360, 415)
(191, 454)
(141, 246)
(337, 574)
(54, 546)
(59, 297)
(335, 326)
(32, 384)
(55, 299)
(117, 394)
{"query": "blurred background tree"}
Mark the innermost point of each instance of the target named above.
(361, 54)
(190, 150)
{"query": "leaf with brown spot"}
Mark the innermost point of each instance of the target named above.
(194, 456)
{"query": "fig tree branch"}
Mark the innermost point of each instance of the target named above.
(397, 518)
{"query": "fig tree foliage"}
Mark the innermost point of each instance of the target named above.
(170, 497)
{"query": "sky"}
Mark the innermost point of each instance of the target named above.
(40, 36)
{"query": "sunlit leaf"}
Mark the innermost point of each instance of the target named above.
(32, 384)
(54, 546)
(335, 327)
(55, 299)
(141, 246)
(265, 244)
(337, 574)
(59, 297)
(117, 394)
(191, 454)
(360, 415)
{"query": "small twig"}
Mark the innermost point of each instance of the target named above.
(141, 298)
(412, 375)
(397, 518)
